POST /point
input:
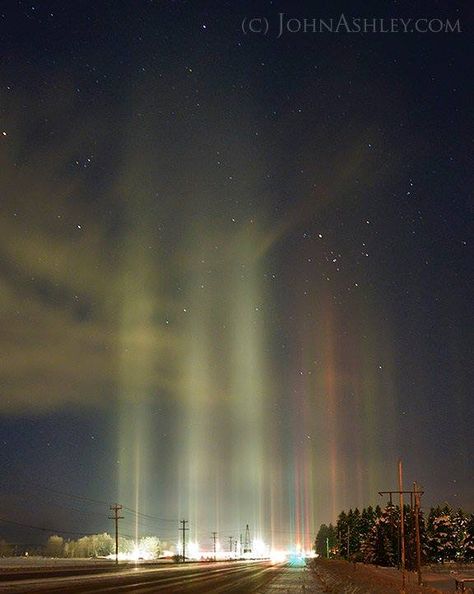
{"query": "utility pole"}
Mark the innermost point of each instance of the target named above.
(116, 508)
(417, 532)
(184, 530)
(231, 542)
(327, 547)
(214, 538)
(402, 523)
(414, 495)
(348, 541)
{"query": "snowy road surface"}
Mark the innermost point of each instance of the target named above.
(194, 578)
(223, 578)
(294, 579)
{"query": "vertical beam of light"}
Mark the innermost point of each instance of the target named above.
(351, 385)
(275, 462)
(138, 475)
(137, 358)
(196, 458)
(140, 340)
(222, 442)
(305, 440)
(203, 450)
(376, 400)
(329, 389)
(248, 389)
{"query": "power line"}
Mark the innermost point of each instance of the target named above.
(71, 495)
(68, 507)
(140, 514)
(100, 502)
(58, 531)
(5, 521)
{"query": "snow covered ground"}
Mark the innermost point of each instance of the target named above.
(30, 562)
(341, 577)
(13, 562)
(442, 578)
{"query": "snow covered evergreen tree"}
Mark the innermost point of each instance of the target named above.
(353, 521)
(341, 530)
(459, 525)
(326, 540)
(348, 530)
(367, 520)
(441, 535)
(380, 547)
(468, 543)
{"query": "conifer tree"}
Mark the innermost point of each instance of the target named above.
(468, 543)
(380, 546)
(326, 540)
(341, 530)
(441, 535)
(367, 520)
(410, 538)
(354, 535)
(459, 525)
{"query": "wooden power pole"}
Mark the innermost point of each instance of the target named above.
(402, 524)
(214, 546)
(116, 508)
(184, 530)
(417, 532)
(415, 499)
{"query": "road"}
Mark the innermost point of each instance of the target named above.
(209, 578)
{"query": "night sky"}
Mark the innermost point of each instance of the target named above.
(235, 268)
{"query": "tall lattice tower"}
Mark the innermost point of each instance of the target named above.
(247, 544)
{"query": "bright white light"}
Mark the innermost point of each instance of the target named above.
(259, 548)
(193, 550)
(278, 556)
(136, 554)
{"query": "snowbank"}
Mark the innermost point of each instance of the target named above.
(342, 577)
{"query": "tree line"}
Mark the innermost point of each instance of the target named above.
(91, 546)
(373, 536)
